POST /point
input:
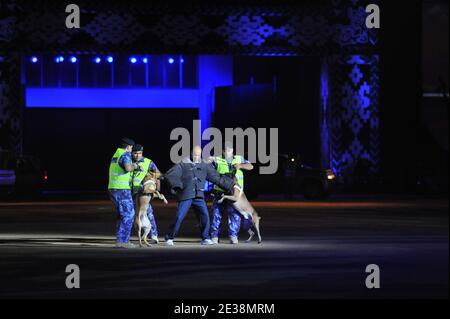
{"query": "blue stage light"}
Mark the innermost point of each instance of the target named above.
(181, 60)
(171, 60)
(110, 59)
(33, 59)
(73, 59)
(59, 59)
(97, 60)
(133, 60)
(145, 60)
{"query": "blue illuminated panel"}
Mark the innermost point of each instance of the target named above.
(111, 98)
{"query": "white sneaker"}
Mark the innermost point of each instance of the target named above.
(215, 240)
(206, 242)
(155, 240)
(234, 240)
(169, 242)
(125, 245)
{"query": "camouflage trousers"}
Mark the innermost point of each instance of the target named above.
(123, 202)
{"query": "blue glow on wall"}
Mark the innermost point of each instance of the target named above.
(324, 129)
(213, 71)
(111, 98)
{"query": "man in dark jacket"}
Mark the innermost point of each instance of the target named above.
(187, 180)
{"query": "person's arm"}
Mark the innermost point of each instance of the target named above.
(245, 165)
(222, 181)
(173, 178)
(212, 160)
(131, 167)
(127, 164)
(153, 167)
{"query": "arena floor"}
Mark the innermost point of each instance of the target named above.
(309, 250)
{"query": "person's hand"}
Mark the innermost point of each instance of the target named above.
(237, 166)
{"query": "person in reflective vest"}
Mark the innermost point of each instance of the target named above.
(119, 189)
(229, 163)
(137, 177)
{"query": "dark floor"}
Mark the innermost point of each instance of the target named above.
(309, 250)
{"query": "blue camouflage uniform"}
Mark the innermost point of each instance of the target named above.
(246, 223)
(150, 215)
(124, 205)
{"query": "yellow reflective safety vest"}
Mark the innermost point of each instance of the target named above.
(223, 167)
(118, 177)
(138, 176)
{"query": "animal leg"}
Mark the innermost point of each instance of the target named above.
(143, 203)
(256, 225)
(140, 234)
(251, 234)
(232, 198)
(146, 232)
(161, 197)
(138, 223)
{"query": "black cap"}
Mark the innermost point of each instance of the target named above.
(138, 148)
(127, 141)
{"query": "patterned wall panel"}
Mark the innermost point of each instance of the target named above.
(353, 116)
(4, 114)
(10, 103)
(307, 27)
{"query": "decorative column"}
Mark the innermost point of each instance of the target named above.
(353, 108)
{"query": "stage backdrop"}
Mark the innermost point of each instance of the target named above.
(332, 29)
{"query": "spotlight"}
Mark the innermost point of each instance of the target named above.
(73, 59)
(133, 60)
(59, 59)
(171, 61)
(110, 59)
(97, 60)
(181, 60)
(330, 174)
(33, 59)
(145, 60)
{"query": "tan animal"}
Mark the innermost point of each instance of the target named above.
(243, 206)
(148, 193)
